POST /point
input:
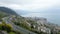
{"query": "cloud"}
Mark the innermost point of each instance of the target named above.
(33, 6)
(30, 4)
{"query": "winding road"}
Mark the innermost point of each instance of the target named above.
(18, 28)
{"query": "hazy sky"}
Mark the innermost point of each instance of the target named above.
(49, 9)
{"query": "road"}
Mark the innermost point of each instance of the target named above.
(18, 28)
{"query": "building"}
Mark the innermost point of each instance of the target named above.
(45, 30)
(42, 21)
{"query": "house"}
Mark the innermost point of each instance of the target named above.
(0, 22)
(46, 30)
(42, 21)
(28, 24)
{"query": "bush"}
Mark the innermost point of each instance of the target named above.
(11, 33)
(6, 27)
(0, 26)
(15, 32)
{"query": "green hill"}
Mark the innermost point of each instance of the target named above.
(4, 11)
(7, 10)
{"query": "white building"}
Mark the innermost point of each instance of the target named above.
(46, 30)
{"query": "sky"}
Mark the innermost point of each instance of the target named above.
(49, 9)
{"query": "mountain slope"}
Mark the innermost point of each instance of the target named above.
(4, 11)
(7, 10)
